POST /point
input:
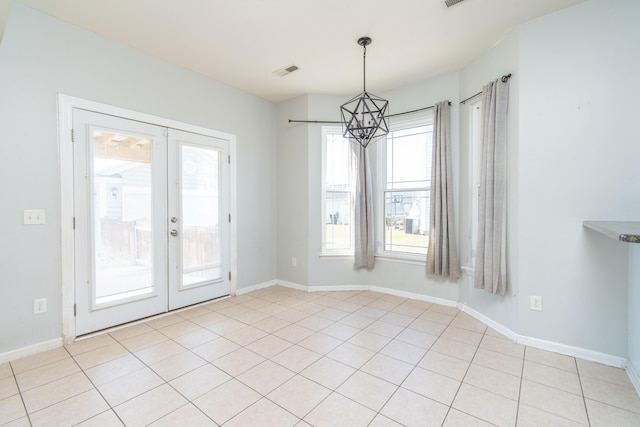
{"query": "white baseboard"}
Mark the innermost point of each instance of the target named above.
(411, 295)
(591, 355)
(30, 350)
(585, 354)
(257, 287)
(581, 353)
(634, 376)
(489, 322)
(292, 285)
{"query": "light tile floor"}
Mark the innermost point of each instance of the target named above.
(281, 357)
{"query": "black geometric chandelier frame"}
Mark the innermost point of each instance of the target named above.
(365, 116)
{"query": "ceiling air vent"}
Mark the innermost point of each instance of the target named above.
(450, 3)
(284, 71)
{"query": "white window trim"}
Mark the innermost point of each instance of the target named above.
(475, 117)
(394, 256)
(333, 253)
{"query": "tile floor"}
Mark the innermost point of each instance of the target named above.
(281, 357)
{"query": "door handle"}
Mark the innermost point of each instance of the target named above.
(174, 233)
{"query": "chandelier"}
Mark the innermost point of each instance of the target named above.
(364, 117)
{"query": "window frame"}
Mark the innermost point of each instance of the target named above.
(336, 253)
(426, 119)
(475, 158)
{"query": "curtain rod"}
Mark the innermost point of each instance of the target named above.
(390, 115)
(504, 80)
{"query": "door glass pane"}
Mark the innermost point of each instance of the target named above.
(122, 216)
(201, 260)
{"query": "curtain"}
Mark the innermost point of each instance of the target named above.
(442, 253)
(364, 253)
(491, 268)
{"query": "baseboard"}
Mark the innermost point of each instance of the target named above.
(591, 355)
(292, 285)
(257, 287)
(581, 353)
(411, 295)
(489, 322)
(30, 350)
(633, 376)
(388, 291)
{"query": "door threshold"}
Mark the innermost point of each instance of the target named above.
(146, 319)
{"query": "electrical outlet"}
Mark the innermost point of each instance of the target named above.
(294, 262)
(39, 305)
(33, 216)
(535, 303)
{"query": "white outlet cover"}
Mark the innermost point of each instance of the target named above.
(34, 216)
(39, 305)
(535, 303)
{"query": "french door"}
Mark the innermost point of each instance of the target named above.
(151, 219)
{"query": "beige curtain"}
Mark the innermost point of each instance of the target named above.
(364, 251)
(491, 267)
(442, 254)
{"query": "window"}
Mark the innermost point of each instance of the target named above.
(404, 189)
(475, 157)
(403, 185)
(337, 193)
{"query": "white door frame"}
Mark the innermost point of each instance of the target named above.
(66, 104)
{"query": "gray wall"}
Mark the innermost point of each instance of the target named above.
(578, 152)
(293, 212)
(40, 57)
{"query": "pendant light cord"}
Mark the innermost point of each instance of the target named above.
(364, 68)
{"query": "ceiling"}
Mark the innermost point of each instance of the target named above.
(242, 42)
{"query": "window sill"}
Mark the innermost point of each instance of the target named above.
(335, 256)
(402, 259)
(469, 271)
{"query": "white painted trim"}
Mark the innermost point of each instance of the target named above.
(469, 271)
(65, 152)
(634, 376)
(337, 288)
(411, 295)
(66, 104)
(257, 287)
(489, 322)
(582, 353)
(594, 356)
(30, 350)
(233, 205)
(292, 285)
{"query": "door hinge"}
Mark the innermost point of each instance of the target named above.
(75, 309)
(73, 136)
(74, 222)
(229, 217)
(229, 158)
(229, 275)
